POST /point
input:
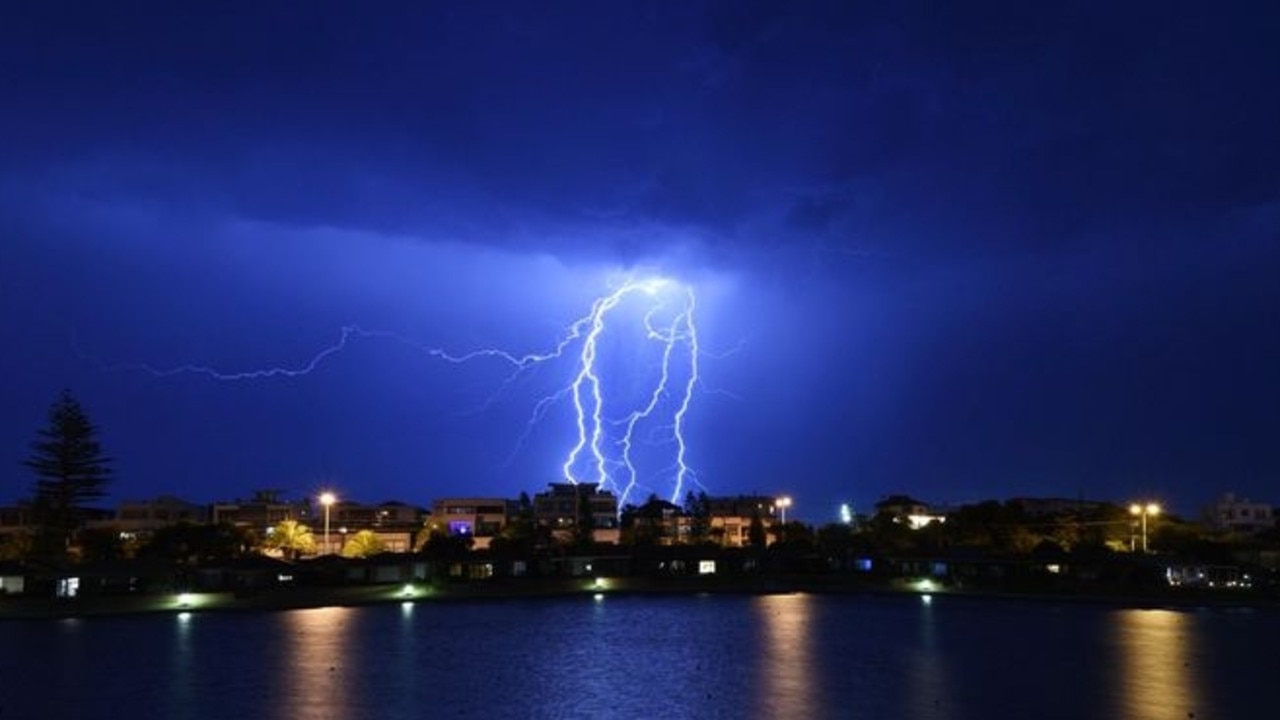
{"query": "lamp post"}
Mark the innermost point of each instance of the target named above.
(326, 499)
(784, 502)
(1143, 511)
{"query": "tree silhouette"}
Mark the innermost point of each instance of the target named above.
(698, 508)
(71, 472)
(756, 537)
(188, 543)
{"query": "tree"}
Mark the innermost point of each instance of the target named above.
(698, 508)
(519, 537)
(71, 472)
(584, 524)
(190, 544)
(442, 550)
(291, 538)
(756, 536)
(15, 546)
(363, 544)
(520, 529)
(104, 544)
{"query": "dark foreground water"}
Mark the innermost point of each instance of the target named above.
(780, 656)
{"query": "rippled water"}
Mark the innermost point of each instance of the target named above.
(777, 656)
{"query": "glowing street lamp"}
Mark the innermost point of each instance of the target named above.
(327, 499)
(783, 503)
(1143, 511)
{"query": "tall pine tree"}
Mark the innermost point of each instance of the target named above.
(71, 472)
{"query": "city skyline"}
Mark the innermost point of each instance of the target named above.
(961, 254)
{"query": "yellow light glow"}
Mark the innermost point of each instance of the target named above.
(328, 498)
(1135, 509)
(1153, 509)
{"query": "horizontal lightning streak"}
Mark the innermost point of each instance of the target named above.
(588, 391)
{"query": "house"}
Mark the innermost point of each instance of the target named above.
(659, 522)
(906, 509)
(13, 578)
(146, 516)
(565, 506)
(264, 510)
(14, 518)
(359, 516)
(731, 518)
(252, 572)
(1232, 514)
(481, 519)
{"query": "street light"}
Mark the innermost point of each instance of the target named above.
(783, 503)
(1143, 511)
(327, 499)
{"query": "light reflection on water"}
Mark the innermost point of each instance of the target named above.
(1155, 655)
(322, 654)
(786, 672)
(928, 682)
(777, 656)
(182, 663)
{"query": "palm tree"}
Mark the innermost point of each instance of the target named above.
(291, 538)
(363, 544)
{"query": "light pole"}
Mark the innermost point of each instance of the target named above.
(326, 499)
(783, 503)
(1143, 511)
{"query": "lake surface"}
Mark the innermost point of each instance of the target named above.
(776, 656)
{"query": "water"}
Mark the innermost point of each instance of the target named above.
(777, 656)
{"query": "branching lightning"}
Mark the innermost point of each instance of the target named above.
(651, 319)
(598, 449)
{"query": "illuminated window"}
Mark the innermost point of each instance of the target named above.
(68, 587)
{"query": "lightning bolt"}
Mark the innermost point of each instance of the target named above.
(595, 445)
(606, 424)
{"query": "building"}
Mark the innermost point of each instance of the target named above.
(763, 506)
(481, 519)
(145, 516)
(660, 522)
(565, 506)
(906, 509)
(13, 578)
(356, 516)
(394, 524)
(264, 510)
(14, 518)
(1232, 514)
(731, 518)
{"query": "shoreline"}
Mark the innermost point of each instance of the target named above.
(296, 598)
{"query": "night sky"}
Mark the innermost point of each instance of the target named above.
(970, 252)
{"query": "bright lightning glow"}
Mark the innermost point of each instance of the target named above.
(646, 322)
(678, 341)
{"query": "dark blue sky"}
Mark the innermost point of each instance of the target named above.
(986, 251)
